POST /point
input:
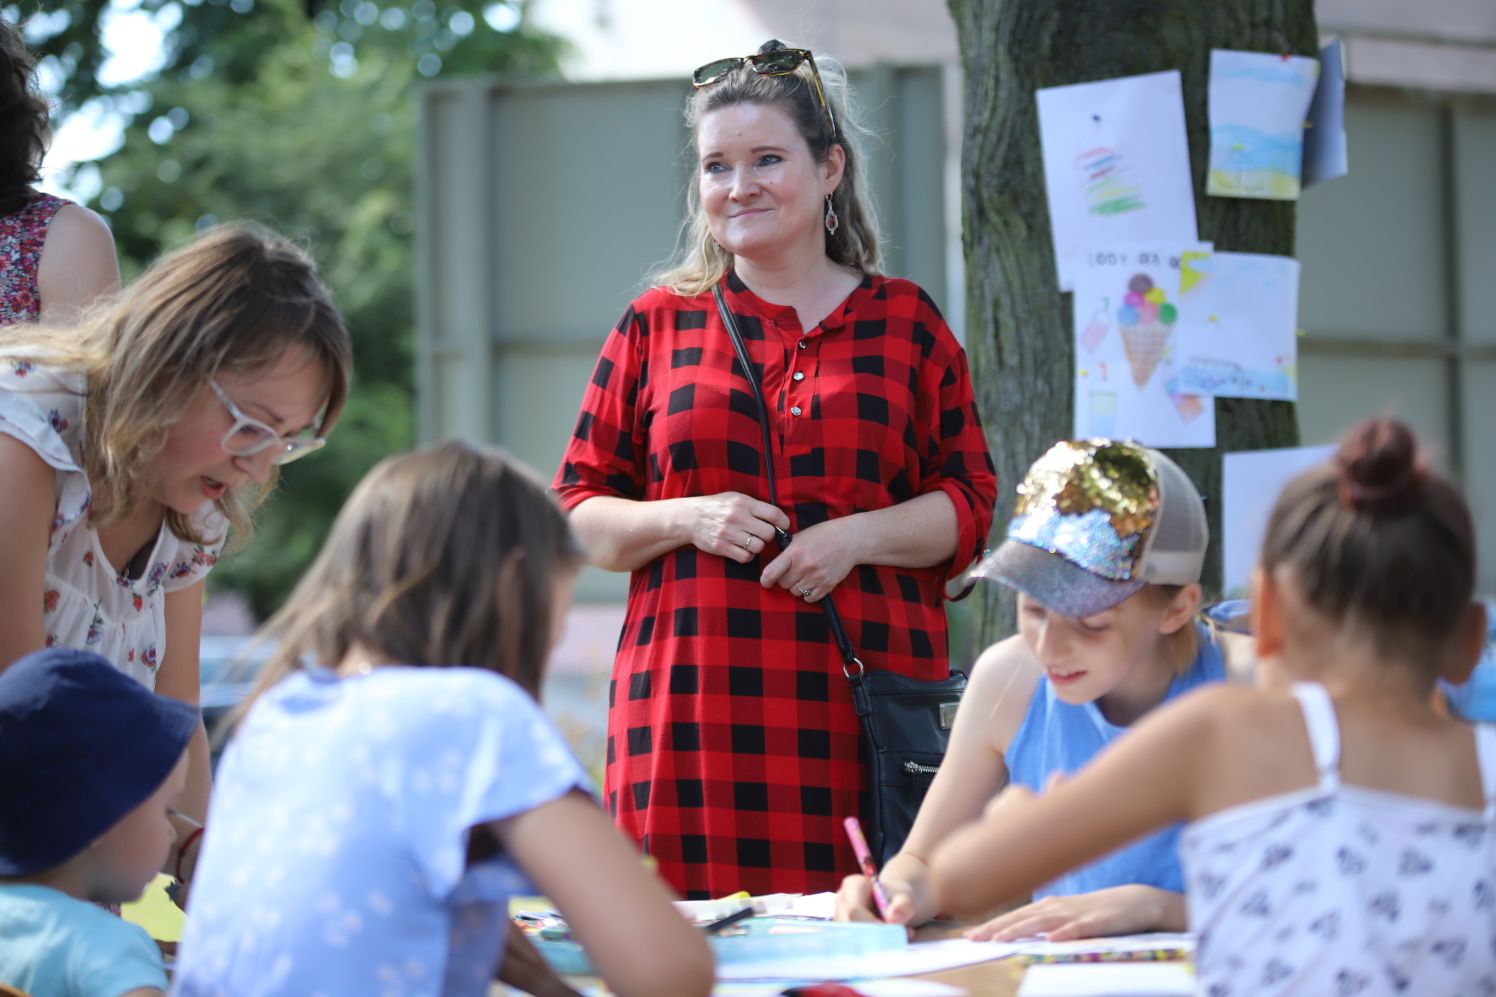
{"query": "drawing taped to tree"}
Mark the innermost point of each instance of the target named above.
(1104, 178)
(1128, 385)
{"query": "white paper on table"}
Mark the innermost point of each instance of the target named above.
(1108, 979)
(950, 953)
(1251, 481)
(1152, 946)
(905, 987)
(1325, 155)
(921, 957)
(1238, 327)
(1258, 102)
(1116, 165)
(894, 987)
(1127, 385)
(820, 906)
(811, 906)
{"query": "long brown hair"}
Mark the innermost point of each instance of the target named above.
(1378, 542)
(444, 556)
(699, 261)
(236, 298)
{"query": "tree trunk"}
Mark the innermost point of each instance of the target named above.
(1018, 323)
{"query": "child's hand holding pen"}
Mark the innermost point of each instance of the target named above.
(854, 900)
(871, 897)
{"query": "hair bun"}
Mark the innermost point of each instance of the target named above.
(1379, 468)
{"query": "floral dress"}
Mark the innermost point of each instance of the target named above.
(22, 235)
(86, 603)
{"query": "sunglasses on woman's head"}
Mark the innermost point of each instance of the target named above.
(780, 62)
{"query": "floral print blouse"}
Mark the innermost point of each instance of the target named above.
(22, 235)
(86, 602)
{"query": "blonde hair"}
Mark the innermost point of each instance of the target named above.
(236, 298)
(441, 557)
(699, 262)
(1183, 645)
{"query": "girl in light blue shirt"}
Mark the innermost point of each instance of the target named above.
(393, 782)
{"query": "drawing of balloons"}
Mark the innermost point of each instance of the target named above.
(1140, 284)
(1168, 314)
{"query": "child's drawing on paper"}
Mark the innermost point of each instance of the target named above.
(1147, 321)
(1258, 103)
(1127, 385)
(1103, 173)
(1103, 413)
(1239, 337)
(1097, 328)
(1116, 166)
(1189, 406)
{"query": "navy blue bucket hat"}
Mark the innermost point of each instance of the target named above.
(81, 745)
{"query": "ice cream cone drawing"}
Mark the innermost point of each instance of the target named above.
(1190, 407)
(1146, 319)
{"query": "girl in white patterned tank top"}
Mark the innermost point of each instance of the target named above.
(1341, 834)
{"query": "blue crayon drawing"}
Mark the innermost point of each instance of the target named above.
(1258, 104)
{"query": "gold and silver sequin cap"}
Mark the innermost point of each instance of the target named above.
(1095, 521)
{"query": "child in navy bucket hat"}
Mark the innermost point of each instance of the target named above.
(90, 763)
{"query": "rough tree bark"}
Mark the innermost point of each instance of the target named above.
(1018, 323)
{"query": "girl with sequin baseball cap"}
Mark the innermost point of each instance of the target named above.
(1104, 549)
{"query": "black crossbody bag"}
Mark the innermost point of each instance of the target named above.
(906, 723)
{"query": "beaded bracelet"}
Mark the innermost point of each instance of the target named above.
(182, 852)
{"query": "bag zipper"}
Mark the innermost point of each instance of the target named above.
(915, 768)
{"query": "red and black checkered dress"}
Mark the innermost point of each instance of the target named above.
(732, 742)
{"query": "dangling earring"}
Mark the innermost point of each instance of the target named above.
(832, 222)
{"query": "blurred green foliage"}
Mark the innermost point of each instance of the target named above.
(300, 116)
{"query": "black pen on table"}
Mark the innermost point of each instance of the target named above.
(742, 913)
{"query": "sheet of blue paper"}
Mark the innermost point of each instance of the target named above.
(1325, 155)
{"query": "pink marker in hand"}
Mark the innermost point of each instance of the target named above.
(865, 861)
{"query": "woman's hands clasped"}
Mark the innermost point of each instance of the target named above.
(820, 557)
(734, 525)
(740, 527)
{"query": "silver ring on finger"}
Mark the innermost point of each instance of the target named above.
(805, 590)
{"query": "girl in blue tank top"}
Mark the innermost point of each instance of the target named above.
(1105, 549)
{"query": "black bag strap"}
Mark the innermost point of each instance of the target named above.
(852, 668)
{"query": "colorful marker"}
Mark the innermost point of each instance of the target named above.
(865, 861)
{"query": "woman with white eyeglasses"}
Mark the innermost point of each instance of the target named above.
(133, 444)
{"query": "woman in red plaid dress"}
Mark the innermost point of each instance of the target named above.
(732, 742)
